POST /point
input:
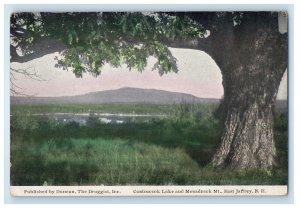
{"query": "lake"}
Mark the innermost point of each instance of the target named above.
(106, 118)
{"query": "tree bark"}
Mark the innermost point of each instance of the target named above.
(247, 141)
(252, 65)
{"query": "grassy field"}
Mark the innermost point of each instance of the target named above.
(173, 150)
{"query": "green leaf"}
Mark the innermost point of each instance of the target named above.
(93, 64)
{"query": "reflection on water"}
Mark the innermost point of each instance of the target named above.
(106, 118)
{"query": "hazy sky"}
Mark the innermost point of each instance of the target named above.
(198, 75)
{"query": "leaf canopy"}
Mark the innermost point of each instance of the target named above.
(94, 39)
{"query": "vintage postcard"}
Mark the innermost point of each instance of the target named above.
(149, 103)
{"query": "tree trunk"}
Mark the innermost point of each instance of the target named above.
(249, 103)
(252, 65)
(247, 141)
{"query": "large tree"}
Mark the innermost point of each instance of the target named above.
(247, 46)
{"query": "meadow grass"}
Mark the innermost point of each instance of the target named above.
(105, 161)
(171, 151)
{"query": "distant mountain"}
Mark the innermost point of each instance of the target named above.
(123, 95)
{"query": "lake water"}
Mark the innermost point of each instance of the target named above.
(118, 118)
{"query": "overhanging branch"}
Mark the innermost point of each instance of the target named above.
(203, 44)
(41, 48)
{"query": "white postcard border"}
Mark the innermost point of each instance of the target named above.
(251, 190)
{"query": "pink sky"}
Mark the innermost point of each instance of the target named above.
(198, 75)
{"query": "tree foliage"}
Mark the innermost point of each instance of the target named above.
(94, 39)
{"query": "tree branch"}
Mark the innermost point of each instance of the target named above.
(203, 44)
(17, 90)
(41, 48)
